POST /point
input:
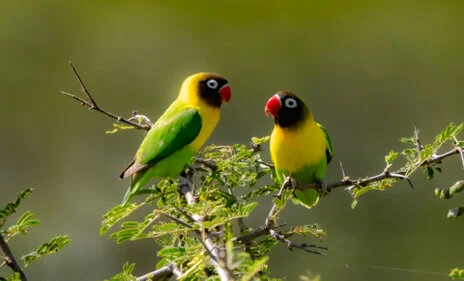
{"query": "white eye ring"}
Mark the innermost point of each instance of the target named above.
(212, 84)
(290, 103)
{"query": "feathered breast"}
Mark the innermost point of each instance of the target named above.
(293, 149)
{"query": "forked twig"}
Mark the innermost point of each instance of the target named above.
(92, 105)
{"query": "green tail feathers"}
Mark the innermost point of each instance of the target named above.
(138, 180)
(308, 197)
(128, 196)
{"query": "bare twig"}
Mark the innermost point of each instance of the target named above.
(92, 105)
(206, 162)
(271, 166)
(305, 247)
(176, 220)
(162, 274)
(10, 259)
(254, 234)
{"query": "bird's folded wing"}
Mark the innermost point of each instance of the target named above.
(329, 150)
(168, 135)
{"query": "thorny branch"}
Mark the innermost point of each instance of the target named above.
(10, 259)
(305, 247)
(217, 253)
(350, 184)
(92, 105)
(269, 227)
(273, 212)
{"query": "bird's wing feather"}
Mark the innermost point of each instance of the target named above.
(169, 134)
(329, 150)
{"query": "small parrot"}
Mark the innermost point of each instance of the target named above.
(300, 147)
(180, 132)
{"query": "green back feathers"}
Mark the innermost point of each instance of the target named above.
(169, 134)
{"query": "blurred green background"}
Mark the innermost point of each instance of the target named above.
(370, 70)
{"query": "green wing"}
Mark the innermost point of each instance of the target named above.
(329, 150)
(170, 133)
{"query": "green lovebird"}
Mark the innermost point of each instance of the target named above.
(180, 132)
(299, 146)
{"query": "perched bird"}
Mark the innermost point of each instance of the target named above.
(180, 132)
(299, 146)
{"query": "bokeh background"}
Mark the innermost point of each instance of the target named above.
(371, 71)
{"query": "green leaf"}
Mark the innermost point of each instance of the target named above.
(457, 273)
(48, 248)
(376, 185)
(119, 127)
(126, 274)
(10, 208)
(254, 269)
(312, 229)
(410, 141)
(255, 193)
(169, 251)
(261, 140)
(26, 220)
(354, 203)
(416, 159)
(132, 230)
(116, 214)
(223, 215)
(168, 228)
(390, 158)
(13, 277)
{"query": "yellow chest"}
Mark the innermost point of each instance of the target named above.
(294, 149)
(209, 120)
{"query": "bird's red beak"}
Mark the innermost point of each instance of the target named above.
(273, 105)
(225, 93)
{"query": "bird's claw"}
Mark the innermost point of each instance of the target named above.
(322, 188)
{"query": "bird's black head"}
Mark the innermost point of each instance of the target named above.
(213, 88)
(288, 110)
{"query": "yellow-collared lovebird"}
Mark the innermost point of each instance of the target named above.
(180, 132)
(299, 146)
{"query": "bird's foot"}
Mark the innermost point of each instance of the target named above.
(321, 187)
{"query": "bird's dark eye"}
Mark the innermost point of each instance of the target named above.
(212, 84)
(290, 103)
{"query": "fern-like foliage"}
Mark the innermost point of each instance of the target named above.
(416, 156)
(227, 183)
(10, 208)
(226, 192)
(457, 273)
(50, 247)
(26, 220)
